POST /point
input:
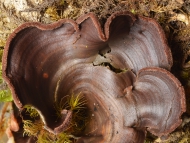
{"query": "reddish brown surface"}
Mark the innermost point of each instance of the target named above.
(133, 92)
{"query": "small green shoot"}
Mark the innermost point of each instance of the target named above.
(133, 11)
(32, 129)
(32, 111)
(73, 103)
(63, 138)
(36, 128)
(45, 137)
(76, 102)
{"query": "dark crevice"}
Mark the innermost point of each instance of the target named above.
(100, 53)
(104, 51)
(187, 59)
(112, 68)
(105, 62)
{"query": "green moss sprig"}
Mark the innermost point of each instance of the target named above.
(32, 128)
(36, 127)
(76, 102)
(32, 111)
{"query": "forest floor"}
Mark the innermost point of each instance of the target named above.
(173, 16)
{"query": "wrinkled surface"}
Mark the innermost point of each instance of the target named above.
(122, 72)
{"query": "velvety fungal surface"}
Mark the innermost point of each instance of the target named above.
(121, 69)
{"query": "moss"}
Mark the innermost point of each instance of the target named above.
(33, 113)
(5, 93)
(63, 138)
(36, 127)
(75, 103)
(32, 128)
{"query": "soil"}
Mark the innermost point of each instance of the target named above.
(173, 16)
